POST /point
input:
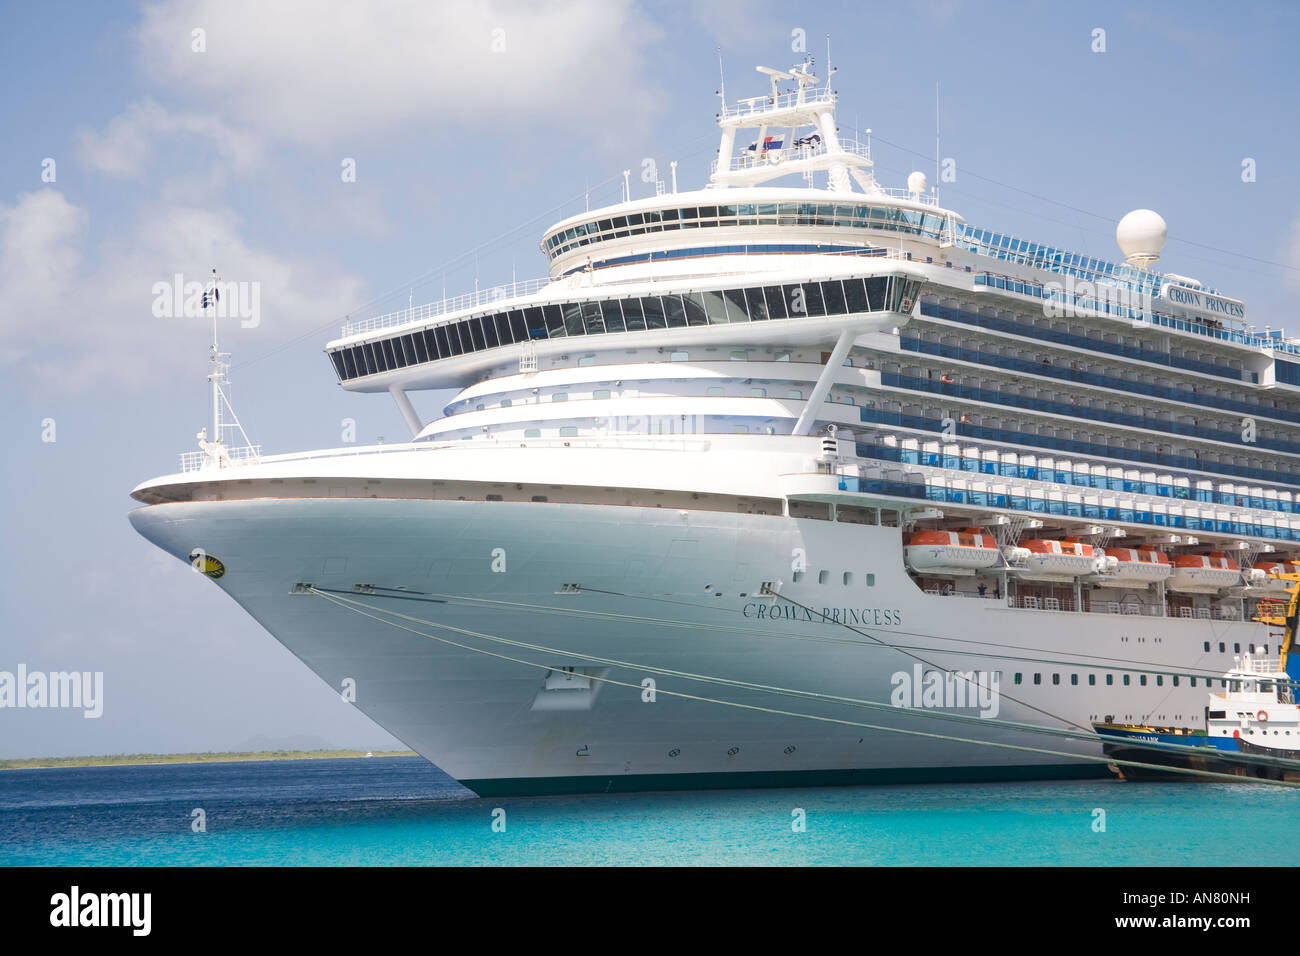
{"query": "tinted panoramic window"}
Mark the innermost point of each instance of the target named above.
(602, 317)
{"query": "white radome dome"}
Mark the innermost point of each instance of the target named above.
(917, 184)
(1141, 235)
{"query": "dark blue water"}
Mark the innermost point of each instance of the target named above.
(402, 810)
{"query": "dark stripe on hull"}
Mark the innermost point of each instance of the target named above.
(742, 779)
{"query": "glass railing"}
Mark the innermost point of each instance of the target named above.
(1065, 373)
(1076, 479)
(995, 397)
(1087, 449)
(1040, 504)
(1082, 342)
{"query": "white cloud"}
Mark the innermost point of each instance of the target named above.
(83, 326)
(332, 71)
(41, 241)
(126, 146)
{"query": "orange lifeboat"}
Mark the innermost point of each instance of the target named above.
(1139, 565)
(1264, 576)
(950, 552)
(1204, 573)
(1050, 560)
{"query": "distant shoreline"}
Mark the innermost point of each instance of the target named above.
(126, 760)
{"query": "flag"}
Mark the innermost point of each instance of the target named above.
(769, 143)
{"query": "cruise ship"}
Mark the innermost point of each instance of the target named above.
(791, 479)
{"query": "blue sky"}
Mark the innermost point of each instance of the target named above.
(169, 160)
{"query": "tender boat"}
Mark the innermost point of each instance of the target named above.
(1139, 566)
(1050, 560)
(1264, 577)
(1203, 573)
(951, 552)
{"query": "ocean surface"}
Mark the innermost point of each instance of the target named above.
(402, 810)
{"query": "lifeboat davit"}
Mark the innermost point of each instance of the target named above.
(1050, 560)
(1140, 566)
(951, 552)
(1204, 573)
(1263, 577)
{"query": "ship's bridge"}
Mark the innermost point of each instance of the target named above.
(744, 221)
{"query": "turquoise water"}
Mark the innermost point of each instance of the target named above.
(401, 810)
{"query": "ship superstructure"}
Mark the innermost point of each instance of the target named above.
(755, 465)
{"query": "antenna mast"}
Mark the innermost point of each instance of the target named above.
(214, 451)
(936, 140)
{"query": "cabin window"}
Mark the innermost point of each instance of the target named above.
(794, 393)
(848, 578)
(1092, 680)
(740, 356)
(1110, 679)
(1160, 680)
(1191, 681)
(1056, 678)
(679, 357)
(532, 433)
(1074, 680)
(870, 580)
(823, 577)
(1017, 678)
(560, 397)
(715, 390)
(741, 429)
(569, 431)
(505, 403)
(1236, 648)
(1038, 678)
(600, 393)
(1207, 645)
(1175, 680)
(798, 576)
(758, 392)
(1126, 680)
(1221, 647)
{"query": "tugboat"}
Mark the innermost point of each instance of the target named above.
(1253, 715)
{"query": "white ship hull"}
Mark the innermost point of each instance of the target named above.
(484, 717)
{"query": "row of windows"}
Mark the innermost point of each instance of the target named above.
(1125, 680)
(716, 307)
(846, 578)
(1065, 373)
(1084, 448)
(1163, 487)
(842, 215)
(1083, 342)
(998, 397)
(747, 249)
